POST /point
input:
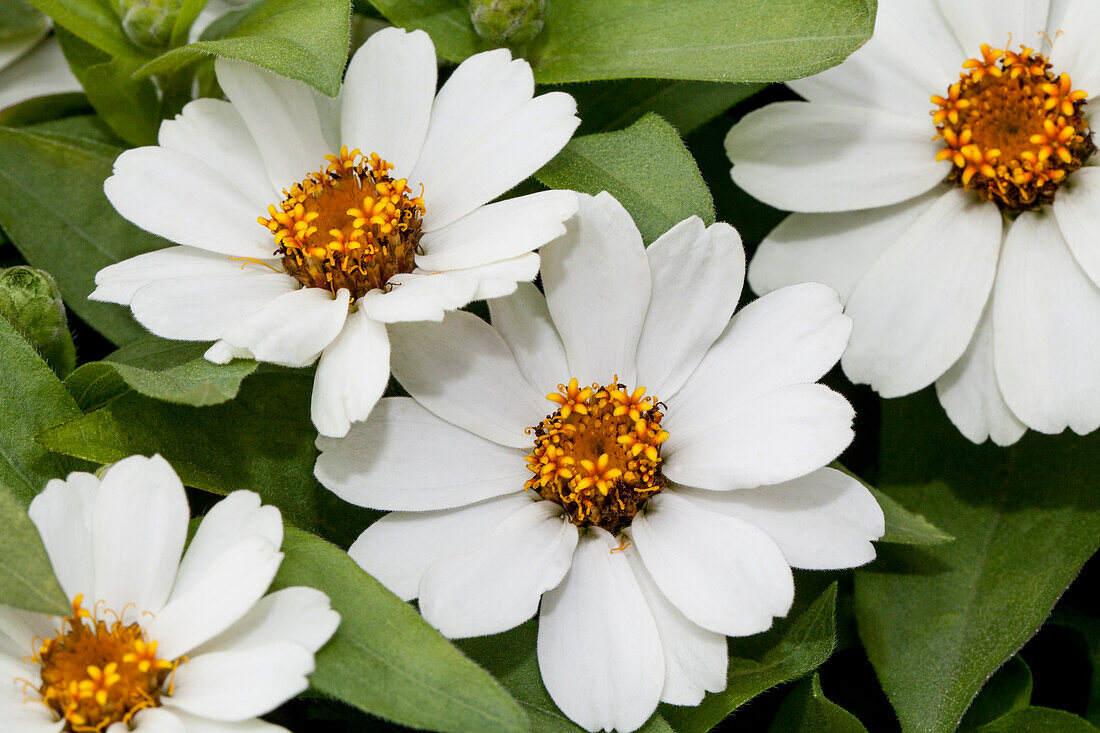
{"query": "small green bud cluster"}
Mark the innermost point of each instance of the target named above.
(510, 23)
(149, 23)
(31, 302)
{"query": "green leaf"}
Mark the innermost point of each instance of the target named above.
(53, 207)
(305, 40)
(31, 400)
(95, 21)
(385, 659)
(262, 440)
(173, 371)
(1006, 692)
(20, 20)
(1089, 628)
(26, 577)
(646, 167)
(686, 105)
(1039, 720)
(512, 658)
(937, 621)
(714, 40)
(793, 649)
(903, 527)
(807, 710)
(128, 105)
(189, 11)
(45, 109)
(446, 21)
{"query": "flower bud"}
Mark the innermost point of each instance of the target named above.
(31, 302)
(149, 23)
(509, 23)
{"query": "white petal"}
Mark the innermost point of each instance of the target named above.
(813, 157)
(599, 651)
(119, 282)
(498, 231)
(230, 585)
(969, 392)
(42, 71)
(790, 336)
(721, 572)
(1077, 210)
(1046, 330)
(282, 117)
(139, 525)
(22, 631)
(996, 22)
(294, 328)
(836, 249)
(523, 321)
(825, 520)
(916, 309)
(195, 724)
(926, 22)
(1074, 50)
(419, 296)
(497, 585)
(697, 275)
(777, 437)
(387, 96)
(405, 458)
(187, 202)
(597, 285)
(300, 615)
(198, 306)
(16, 713)
(400, 546)
(63, 515)
(495, 159)
(462, 370)
(237, 685)
(894, 71)
(232, 519)
(212, 131)
(498, 279)
(695, 659)
(152, 720)
(223, 353)
(481, 91)
(351, 376)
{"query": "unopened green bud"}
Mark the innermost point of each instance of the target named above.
(149, 23)
(509, 23)
(31, 302)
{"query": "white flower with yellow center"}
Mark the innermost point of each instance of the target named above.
(285, 261)
(661, 504)
(947, 180)
(156, 642)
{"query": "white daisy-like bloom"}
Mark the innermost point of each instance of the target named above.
(650, 529)
(946, 185)
(287, 266)
(32, 65)
(159, 639)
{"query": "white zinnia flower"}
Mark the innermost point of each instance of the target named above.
(966, 245)
(32, 65)
(157, 642)
(396, 229)
(654, 528)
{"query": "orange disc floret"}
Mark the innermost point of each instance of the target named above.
(1012, 129)
(97, 672)
(599, 454)
(348, 225)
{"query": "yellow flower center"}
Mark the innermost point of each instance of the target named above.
(1013, 129)
(95, 673)
(599, 454)
(349, 225)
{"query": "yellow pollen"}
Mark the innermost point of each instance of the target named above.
(96, 673)
(348, 225)
(599, 454)
(1012, 129)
